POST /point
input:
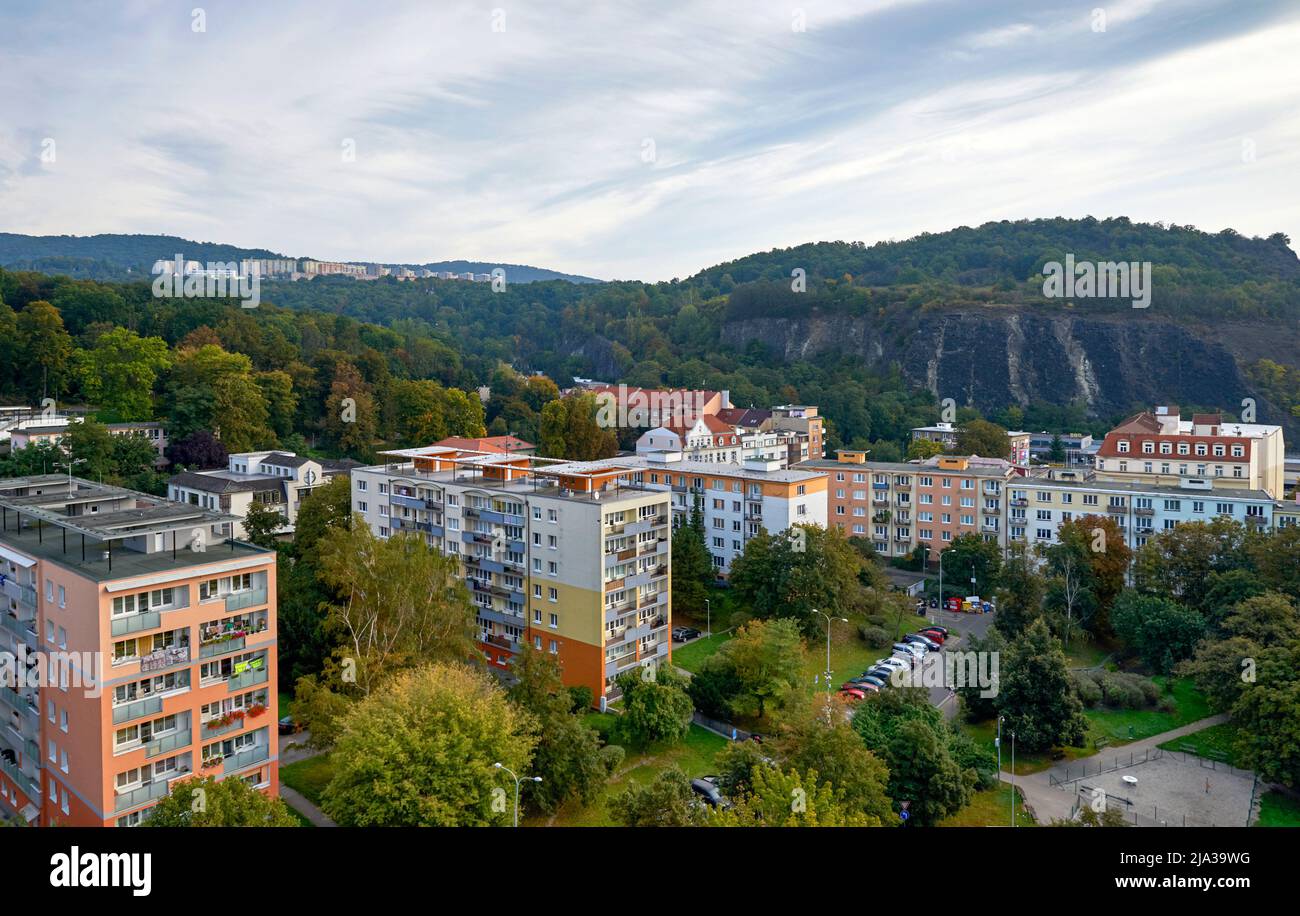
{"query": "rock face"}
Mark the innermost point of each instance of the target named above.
(989, 359)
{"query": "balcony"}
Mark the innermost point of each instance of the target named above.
(1117, 510)
(149, 706)
(991, 510)
(244, 759)
(136, 797)
(21, 779)
(1144, 511)
(1020, 502)
(221, 646)
(23, 594)
(175, 741)
(237, 601)
(245, 679)
(135, 623)
(165, 658)
(21, 629)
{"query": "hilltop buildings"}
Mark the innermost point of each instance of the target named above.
(149, 645)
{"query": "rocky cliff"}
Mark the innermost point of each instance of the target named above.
(989, 358)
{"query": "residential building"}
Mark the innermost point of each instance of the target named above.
(808, 425)
(278, 479)
(158, 639)
(737, 500)
(570, 557)
(505, 445)
(1163, 449)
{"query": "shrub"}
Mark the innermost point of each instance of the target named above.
(611, 755)
(1088, 688)
(874, 636)
(580, 698)
(1167, 704)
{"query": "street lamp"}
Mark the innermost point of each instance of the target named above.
(501, 766)
(708, 625)
(829, 618)
(1013, 785)
(943, 605)
(70, 464)
(999, 744)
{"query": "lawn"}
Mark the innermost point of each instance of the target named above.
(692, 655)
(1026, 763)
(1278, 810)
(1124, 725)
(694, 755)
(991, 808)
(310, 776)
(850, 656)
(1215, 742)
(1083, 653)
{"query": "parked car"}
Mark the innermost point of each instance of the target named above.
(909, 649)
(870, 679)
(884, 672)
(943, 631)
(682, 634)
(933, 636)
(288, 726)
(705, 788)
(893, 662)
(853, 693)
(917, 639)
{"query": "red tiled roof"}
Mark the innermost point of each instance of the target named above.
(501, 444)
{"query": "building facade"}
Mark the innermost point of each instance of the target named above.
(158, 642)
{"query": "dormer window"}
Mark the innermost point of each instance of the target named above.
(1123, 446)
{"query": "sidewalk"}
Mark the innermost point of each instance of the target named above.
(1133, 747)
(297, 800)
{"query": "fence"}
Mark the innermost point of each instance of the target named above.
(1137, 815)
(718, 727)
(1072, 772)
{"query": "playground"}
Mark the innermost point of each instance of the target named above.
(1175, 789)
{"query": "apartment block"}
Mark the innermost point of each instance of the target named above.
(901, 505)
(1037, 507)
(570, 557)
(280, 480)
(737, 500)
(149, 642)
(1161, 448)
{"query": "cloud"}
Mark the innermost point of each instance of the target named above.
(646, 141)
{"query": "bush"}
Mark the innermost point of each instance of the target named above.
(1088, 689)
(1121, 690)
(580, 698)
(874, 636)
(611, 755)
(1167, 704)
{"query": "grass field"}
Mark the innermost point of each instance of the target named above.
(1278, 810)
(1215, 742)
(1124, 725)
(991, 808)
(692, 655)
(694, 755)
(310, 776)
(1084, 653)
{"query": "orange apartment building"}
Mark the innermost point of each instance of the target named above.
(158, 636)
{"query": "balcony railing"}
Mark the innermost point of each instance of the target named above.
(183, 738)
(134, 623)
(137, 797)
(245, 759)
(165, 658)
(237, 601)
(149, 706)
(21, 779)
(246, 679)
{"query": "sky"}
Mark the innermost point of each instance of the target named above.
(642, 140)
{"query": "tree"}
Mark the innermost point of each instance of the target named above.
(666, 801)
(975, 702)
(923, 773)
(806, 741)
(118, 373)
(1268, 728)
(208, 802)
(1178, 562)
(420, 752)
(980, 437)
(199, 450)
(656, 706)
(692, 564)
(1162, 631)
(46, 349)
(970, 556)
(213, 390)
(402, 602)
(281, 400)
(1056, 451)
(1020, 596)
(766, 658)
(1036, 694)
(351, 417)
(921, 449)
(261, 523)
(806, 567)
(570, 428)
(567, 755)
(790, 799)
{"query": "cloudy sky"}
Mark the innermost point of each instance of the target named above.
(639, 140)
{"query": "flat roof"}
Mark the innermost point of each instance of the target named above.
(145, 515)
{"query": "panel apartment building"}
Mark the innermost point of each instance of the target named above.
(158, 641)
(570, 557)
(900, 505)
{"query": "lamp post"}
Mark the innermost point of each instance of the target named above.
(943, 605)
(501, 766)
(829, 618)
(999, 744)
(708, 625)
(70, 464)
(1013, 785)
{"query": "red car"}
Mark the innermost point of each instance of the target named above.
(852, 693)
(934, 635)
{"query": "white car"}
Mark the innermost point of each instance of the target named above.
(893, 662)
(909, 650)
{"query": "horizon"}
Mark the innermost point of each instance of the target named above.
(623, 144)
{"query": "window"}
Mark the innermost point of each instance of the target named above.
(63, 597)
(553, 594)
